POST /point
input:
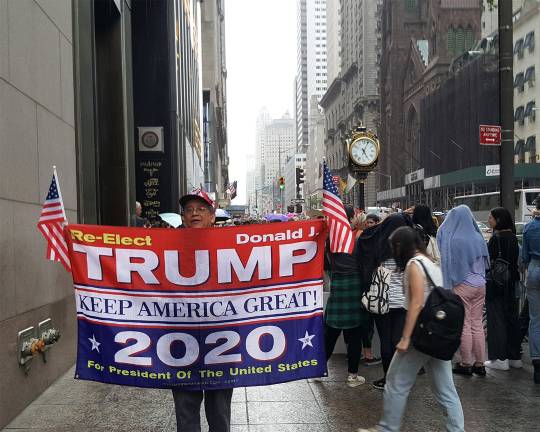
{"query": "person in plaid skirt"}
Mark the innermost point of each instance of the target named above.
(344, 311)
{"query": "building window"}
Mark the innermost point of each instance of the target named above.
(451, 40)
(519, 81)
(530, 111)
(518, 48)
(519, 151)
(410, 5)
(529, 41)
(530, 149)
(530, 76)
(519, 115)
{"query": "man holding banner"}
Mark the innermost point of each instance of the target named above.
(198, 211)
(199, 310)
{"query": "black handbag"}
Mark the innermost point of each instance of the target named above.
(498, 276)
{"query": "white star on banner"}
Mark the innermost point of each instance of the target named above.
(306, 340)
(95, 343)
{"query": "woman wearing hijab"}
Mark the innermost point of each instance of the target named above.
(423, 221)
(464, 259)
(373, 249)
(502, 305)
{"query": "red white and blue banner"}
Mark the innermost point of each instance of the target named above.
(199, 308)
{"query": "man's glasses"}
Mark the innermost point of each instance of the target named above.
(200, 210)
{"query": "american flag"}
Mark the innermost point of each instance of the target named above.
(51, 224)
(232, 189)
(341, 236)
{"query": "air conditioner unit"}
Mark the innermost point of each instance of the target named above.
(151, 139)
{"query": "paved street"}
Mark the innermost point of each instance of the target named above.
(503, 401)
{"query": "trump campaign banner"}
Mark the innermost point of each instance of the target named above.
(199, 308)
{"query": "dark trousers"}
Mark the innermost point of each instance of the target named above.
(503, 332)
(217, 405)
(390, 329)
(353, 340)
(367, 333)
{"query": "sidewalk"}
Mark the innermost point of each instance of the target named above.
(502, 401)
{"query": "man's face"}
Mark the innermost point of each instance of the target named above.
(138, 210)
(197, 214)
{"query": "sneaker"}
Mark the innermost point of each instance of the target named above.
(371, 429)
(372, 361)
(479, 370)
(459, 369)
(516, 364)
(379, 384)
(355, 380)
(497, 364)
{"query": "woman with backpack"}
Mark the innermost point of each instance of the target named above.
(373, 251)
(464, 259)
(421, 276)
(502, 305)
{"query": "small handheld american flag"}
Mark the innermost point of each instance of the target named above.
(232, 189)
(51, 224)
(341, 235)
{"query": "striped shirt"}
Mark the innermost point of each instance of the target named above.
(396, 296)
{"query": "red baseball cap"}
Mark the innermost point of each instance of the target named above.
(196, 194)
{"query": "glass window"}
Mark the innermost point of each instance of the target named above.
(410, 5)
(529, 41)
(530, 75)
(519, 81)
(518, 47)
(530, 197)
(519, 115)
(451, 40)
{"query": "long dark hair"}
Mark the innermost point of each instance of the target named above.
(405, 243)
(503, 219)
(422, 216)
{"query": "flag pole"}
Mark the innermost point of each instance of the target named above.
(55, 174)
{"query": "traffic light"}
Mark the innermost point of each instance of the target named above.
(299, 176)
(281, 183)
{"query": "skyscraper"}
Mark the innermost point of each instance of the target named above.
(311, 77)
(275, 144)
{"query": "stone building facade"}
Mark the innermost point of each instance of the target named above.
(420, 39)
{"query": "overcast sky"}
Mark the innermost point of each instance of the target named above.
(260, 40)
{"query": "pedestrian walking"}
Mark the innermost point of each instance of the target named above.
(530, 256)
(423, 221)
(464, 258)
(344, 311)
(409, 252)
(373, 249)
(198, 212)
(502, 303)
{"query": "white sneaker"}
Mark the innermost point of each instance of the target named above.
(355, 380)
(516, 364)
(497, 364)
(371, 429)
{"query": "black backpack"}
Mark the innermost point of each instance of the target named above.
(498, 275)
(438, 328)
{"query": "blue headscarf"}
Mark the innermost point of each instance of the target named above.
(460, 244)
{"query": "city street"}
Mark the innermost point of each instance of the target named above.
(502, 401)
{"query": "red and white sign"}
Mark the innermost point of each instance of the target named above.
(490, 135)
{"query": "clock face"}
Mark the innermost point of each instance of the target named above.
(364, 151)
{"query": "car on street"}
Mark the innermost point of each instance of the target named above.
(519, 231)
